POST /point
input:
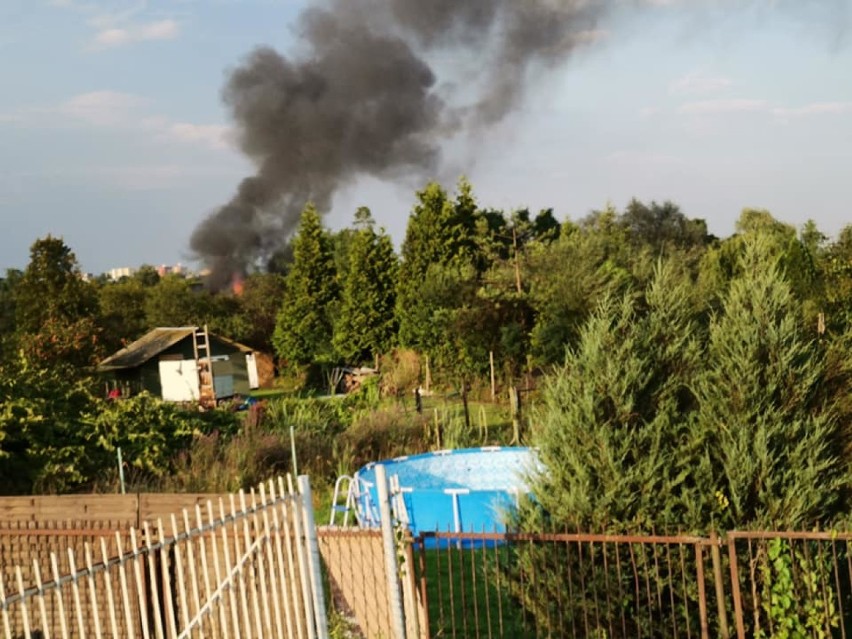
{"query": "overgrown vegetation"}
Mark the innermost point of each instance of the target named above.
(672, 381)
(659, 421)
(683, 380)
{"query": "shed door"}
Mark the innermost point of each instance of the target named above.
(179, 380)
(223, 385)
(251, 367)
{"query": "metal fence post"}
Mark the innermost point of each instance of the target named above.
(715, 555)
(391, 566)
(313, 558)
(702, 593)
(735, 585)
(409, 588)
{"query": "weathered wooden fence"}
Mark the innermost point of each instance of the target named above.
(243, 565)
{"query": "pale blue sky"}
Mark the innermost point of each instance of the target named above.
(112, 133)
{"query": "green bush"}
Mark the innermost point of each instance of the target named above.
(152, 434)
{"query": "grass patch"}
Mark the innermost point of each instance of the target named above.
(269, 393)
(467, 595)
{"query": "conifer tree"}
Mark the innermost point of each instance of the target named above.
(772, 435)
(303, 330)
(837, 265)
(365, 325)
(614, 420)
(441, 234)
(420, 249)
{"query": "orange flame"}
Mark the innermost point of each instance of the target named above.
(237, 284)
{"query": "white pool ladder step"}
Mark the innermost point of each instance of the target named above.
(348, 503)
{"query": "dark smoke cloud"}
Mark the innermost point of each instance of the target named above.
(362, 99)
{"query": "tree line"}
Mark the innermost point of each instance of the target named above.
(634, 314)
(468, 281)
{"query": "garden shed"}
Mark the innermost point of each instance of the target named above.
(170, 363)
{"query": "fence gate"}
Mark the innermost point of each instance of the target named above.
(244, 565)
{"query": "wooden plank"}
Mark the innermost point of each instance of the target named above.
(39, 508)
(153, 506)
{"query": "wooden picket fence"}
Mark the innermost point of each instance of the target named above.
(241, 565)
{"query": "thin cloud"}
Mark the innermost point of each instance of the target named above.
(696, 82)
(101, 108)
(120, 24)
(106, 109)
(813, 109)
(214, 136)
(119, 36)
(104, 18)
(706, 108)
(717, 107)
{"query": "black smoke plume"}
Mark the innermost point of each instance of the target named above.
(361, 97)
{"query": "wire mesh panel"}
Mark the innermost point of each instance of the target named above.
(355, 564)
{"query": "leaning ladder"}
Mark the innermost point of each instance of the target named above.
(204, 363)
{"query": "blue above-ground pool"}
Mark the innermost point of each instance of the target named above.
(465, 490)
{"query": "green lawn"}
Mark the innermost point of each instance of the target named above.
(465, 595)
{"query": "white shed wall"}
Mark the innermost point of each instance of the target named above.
(179, 379)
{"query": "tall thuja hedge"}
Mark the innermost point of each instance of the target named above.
(615, 437)
(656, 421)
(303, 329)
(614, 431)
(773, 435)
(653, 424)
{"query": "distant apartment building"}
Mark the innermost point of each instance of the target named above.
(166, 269)
(116, 274)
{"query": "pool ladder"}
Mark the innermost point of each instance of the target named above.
(357, 501)
(360, 502)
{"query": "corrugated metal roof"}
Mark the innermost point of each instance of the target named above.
(145, 348)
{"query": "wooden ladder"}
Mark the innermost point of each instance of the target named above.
(204, 362)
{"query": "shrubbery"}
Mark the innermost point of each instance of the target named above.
(654, 424)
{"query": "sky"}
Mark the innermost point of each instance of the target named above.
(113, 134)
